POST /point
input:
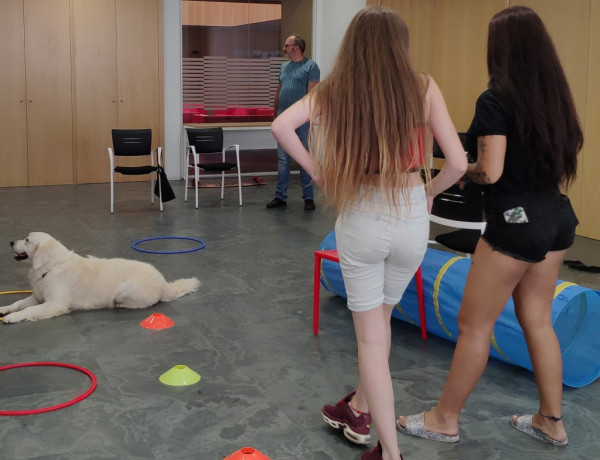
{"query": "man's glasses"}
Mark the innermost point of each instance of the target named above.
(287, 46)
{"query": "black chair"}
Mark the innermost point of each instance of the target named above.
(464, 140)
(134, 143)
(461, 209)
(206, 152)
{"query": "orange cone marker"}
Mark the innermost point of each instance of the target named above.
(157, 321)
(247, 453)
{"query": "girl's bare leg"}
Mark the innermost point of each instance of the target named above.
(533, 307)
(490, 283)
(373, 336)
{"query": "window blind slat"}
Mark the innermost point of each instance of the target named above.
(216, 82)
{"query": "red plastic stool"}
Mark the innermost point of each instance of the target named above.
(332, 254)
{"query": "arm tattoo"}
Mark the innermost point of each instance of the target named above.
(481, 145)
(476, 172)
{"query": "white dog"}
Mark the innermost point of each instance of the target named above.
(63, 281)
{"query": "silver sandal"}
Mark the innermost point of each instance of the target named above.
(524, 424)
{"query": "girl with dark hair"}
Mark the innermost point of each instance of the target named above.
(527, 137)
(371, 123)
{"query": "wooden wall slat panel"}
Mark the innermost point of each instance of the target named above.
(13, 96)
(199, 13)
(458, 63)
(419, 16)
(216, 82)
(138, 72)
(590, 160)
(95, 45)
(569, 26)
(49, 92)
(459, 53)
(296, 17)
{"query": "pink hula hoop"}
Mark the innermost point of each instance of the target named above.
(88, 392)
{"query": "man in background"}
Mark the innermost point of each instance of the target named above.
(296, 78)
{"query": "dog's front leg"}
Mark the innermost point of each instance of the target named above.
(44, 310)
(19, 305)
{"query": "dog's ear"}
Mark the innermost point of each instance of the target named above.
(40, 256)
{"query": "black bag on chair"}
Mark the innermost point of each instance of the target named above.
(167, 192)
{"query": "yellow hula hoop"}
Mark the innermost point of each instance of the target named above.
(562, 286)
(324, 278)
(404, 315)
(15, 292)
(497, 347)
(436, 291)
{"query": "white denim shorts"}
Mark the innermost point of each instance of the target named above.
(380, 250)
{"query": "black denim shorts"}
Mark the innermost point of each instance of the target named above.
(526, 227)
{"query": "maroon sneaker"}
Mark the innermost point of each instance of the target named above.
(375, 454)
(341, 416)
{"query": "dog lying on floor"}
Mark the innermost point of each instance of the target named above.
(63, 281)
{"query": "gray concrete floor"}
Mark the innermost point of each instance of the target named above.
(247, 332)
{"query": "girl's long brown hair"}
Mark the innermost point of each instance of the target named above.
(368, 116)
(526, 75)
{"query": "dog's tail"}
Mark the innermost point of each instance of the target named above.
(178, 288)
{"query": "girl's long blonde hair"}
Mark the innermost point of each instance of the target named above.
(368, 116)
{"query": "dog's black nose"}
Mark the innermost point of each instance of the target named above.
(12, 243)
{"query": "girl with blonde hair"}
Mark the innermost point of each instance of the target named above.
(371, 124)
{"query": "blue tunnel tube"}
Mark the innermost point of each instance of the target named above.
(575, 314)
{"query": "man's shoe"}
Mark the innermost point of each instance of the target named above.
(276, 203)
(341, 416)
(309, 205)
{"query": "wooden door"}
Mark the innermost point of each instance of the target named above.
(138, 65)
(49, 109)
(13, 112)
(95, 63)
(138, 70)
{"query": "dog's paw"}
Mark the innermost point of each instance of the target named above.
(12, 318)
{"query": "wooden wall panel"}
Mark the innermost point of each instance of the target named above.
(590, 159)
(419, 16)
(138, 72)
(458, 57)
(161, 77)
(459, 53)
(49, 108)
(95, 45)
(137, 65)
(217, 14)
(198, 13)
(296, 17)
(13, 112)
(569, 25)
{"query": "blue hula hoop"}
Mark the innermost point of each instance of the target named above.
(197, 248)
